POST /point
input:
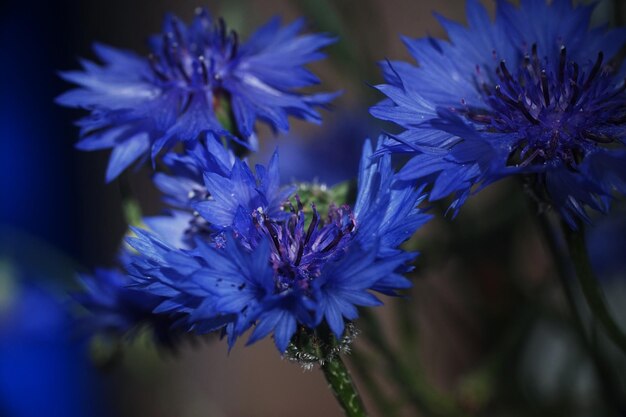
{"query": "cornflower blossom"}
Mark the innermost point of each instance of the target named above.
(288, 268)
(198, 78)
(534, 93)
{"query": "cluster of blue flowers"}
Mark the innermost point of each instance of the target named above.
(529, 94)
(236, 249)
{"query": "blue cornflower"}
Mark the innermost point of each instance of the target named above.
(194, 79)
(118, 310)
(298, 269)
(236, 196)
(211, 191)
(183, 186)
(533, 93)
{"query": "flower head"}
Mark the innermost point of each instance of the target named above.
(198, 78)
(294, 267)
(210, 190)
(533, 93)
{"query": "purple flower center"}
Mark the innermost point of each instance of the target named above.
(558, 112)
(300, 250)
(195, 57)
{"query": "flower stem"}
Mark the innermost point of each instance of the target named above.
(366, 367)
(590, 287)
(412, 383)
(566, 270)
(340, 383)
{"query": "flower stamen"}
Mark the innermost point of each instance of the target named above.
(557, 115)
(298, 256)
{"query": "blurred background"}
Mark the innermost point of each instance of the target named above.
(484, 331)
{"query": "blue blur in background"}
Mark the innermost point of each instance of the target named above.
(37, 137)
(44, 368)
(328, 154)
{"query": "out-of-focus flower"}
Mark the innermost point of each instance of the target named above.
(197, 79)
(534, 93)
(327, 156)
(116, 309)
(44, 368)
(298, 269)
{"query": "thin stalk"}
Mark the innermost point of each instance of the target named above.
(620, 12)
(363, 365)
(565, 272)
(413, 384)
(575, 262)
(590, 286)
(344, 390)
(408, 328)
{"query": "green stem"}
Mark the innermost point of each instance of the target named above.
(414, 385)
(590, 287)
(340, 383)
(365, 369)
(565, 272)
(408, 328)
